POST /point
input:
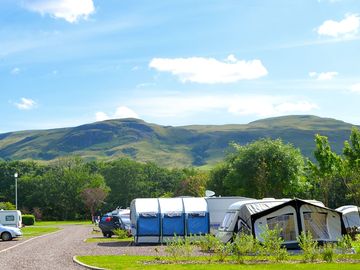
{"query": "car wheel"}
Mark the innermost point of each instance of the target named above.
(108, 235)
(6, 236)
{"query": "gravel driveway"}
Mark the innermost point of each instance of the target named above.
(55, 251)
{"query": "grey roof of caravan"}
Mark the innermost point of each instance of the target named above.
(249, 207)
(256, 206)
(346, 209)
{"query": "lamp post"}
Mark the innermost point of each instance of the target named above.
(16, 177)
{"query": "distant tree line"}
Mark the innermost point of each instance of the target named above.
(70, 188)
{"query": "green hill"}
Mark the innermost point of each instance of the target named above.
(195, 145)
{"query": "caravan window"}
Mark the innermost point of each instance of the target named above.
(228, 220)
(316, 224)
(9, 218)
(286, 224)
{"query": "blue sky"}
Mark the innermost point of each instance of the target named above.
(177, 62)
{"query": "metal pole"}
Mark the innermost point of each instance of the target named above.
(16, 204)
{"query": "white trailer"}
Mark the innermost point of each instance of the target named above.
(10, 218)
(217, 207)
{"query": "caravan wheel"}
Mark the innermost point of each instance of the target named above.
(6, 236)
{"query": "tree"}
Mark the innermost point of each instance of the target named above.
(193, 185)
(216, 179)
(325, 175)
(93, 197)
(352, 165)
(265, 168)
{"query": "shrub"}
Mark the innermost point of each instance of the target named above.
(222, 250)
(344, 244)
(7, 206)
(328, 253)
(28, 219)
(207, 243)
(272, 244)
(174, 247)
(244, 244)
(121, 234)
(309, 246)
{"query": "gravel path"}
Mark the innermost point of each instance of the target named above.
(55, 251)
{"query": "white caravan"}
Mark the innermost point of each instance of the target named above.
(351, 216)
(217, 207)
(292, 217)
(10, 218)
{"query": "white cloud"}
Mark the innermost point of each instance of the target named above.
(125, 112)
(26, 104)
(253, 105)
(265, 106)
(101, 116)
(348, 27)
(69, 10)
(210, 70)
(355, 88)
(15, 71)
(121, 112)
(323, 76)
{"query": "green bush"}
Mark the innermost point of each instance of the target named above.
(175, 247)
(244, 244)
(207, 243)
(272, 244)
(309, 246)
(222, 251)
(7, 206)
(344, 244)
(121, 234)
(328, 253)
(28, 219)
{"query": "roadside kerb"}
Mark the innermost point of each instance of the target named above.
(86, 265)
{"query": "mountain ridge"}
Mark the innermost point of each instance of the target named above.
(170, 146)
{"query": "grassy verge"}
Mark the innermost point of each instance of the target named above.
(147, 262)
(30, 231)
(58, 223)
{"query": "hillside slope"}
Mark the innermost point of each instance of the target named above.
(194, 145)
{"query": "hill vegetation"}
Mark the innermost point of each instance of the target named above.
(196, 145)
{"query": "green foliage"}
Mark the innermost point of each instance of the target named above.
(272, 243)
(327, 252)
(208, 243)
(121, 234)
(7, 206)
(264, 168)
(174, 248)
(244, 244)
(344, 244)
(309, 246)
(28, 219)
(222, 251)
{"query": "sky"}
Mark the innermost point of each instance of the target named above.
(177, 62)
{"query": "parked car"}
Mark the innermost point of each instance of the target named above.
(8, 233)
(118, 219)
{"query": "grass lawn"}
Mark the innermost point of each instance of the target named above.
(58, 223)
(30, 231)
(139, 262)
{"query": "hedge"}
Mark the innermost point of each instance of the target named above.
(28, 219)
